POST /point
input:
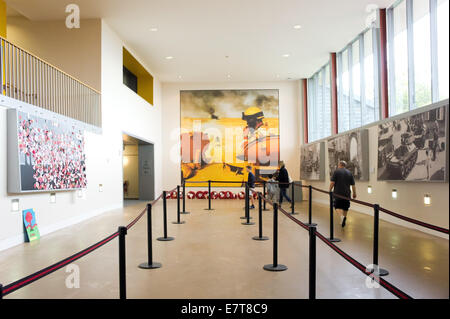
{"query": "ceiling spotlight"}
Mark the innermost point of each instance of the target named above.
(229, 76)
(169, 57)
(179, 76)
(297, 26)
(286, 55)
(278, 75)
(369, 189)
(153, 29)
(427, 199)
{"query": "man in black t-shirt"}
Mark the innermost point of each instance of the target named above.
(340, 184)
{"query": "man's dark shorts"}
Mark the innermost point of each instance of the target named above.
(340, 203)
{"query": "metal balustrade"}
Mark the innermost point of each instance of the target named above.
(30, 79)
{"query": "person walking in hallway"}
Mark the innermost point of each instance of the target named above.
(340, 184)
(283, 179)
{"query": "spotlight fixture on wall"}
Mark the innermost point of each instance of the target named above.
(369, 189)
(427, 199)
(100, 188)
(15, 205)
(394, 194)
(52, 198)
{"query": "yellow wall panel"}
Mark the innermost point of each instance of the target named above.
(144, 79)
(2, 19)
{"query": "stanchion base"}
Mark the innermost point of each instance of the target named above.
(381, 272)
(249, 223)
(184, 212)
(150, 266)
(243, 217)
(294, 213)
(334, 240)
(165, 238)
(266, 210)
(260, 238)
(270, 267)
(182, 222)
(209, 209)
(311, 225)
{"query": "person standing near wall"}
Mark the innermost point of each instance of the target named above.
(340, 184)
(283, 179)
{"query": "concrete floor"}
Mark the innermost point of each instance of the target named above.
(213, 256)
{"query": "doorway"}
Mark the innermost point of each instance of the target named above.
(138, 170)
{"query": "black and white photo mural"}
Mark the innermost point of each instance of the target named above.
(312, 161)
(353, 148)
(414, 148)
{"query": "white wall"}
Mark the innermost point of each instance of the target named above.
(289, 119)
(74, 51)
(122, 110)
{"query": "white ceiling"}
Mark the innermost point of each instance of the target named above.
(200, 33)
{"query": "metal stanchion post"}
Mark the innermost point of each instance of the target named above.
(246, 203)
(150, 264)
(209, 196)
(310, 223)
(293, 200)
(264, 194)
(312, 262)
(122, 263)
(247, 206)
(260, 209)
(332, 238)
(165, 238)
(178, 208)
(275, 266)
(1, 291)
(376, 222)
(184, 199)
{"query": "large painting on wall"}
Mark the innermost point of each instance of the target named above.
(44, 155)
(223, 131)
(414, 148)
(352, 148)
(312, 162)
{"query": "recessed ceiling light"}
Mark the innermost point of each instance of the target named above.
(179, 76)
(297, 26)
(169, 57)
(278, 75)
(228, 76)
(286, 55)
(153, 29)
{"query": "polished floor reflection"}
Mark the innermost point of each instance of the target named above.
(213, 256)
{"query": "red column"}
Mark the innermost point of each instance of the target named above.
(305, 110)
(383, 66)
(334, 100)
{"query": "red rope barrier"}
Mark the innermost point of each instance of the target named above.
(388, 286)
(415, 221)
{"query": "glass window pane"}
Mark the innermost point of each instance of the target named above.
(355, 105)
(443, 47)
(401, 60)
(368, 109)
(344, 94)
(422, 52)
(327, 102)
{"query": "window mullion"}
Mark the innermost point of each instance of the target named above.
(391, 66)
(362, 77)
(410, 37)
(434, 52)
